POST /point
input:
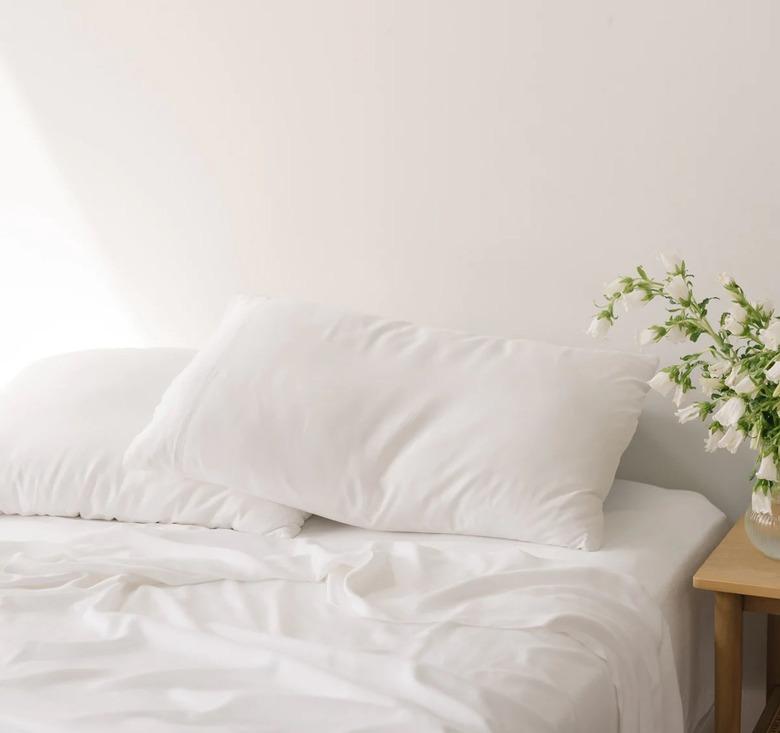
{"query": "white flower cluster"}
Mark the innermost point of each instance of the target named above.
(738, 374)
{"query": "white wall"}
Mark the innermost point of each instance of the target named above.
(485, 165)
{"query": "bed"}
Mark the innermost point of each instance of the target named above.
(128, 627)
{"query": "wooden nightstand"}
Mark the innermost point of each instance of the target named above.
(743, 580)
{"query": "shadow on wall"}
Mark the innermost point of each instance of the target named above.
(673, 455)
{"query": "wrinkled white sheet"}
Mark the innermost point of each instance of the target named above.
(111, 627)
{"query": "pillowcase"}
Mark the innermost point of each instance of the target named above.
(392, 426)
(65, 424)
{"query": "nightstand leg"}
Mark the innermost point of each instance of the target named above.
(772, 653)
(728, 662)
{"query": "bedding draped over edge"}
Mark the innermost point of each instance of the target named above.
(83, 588)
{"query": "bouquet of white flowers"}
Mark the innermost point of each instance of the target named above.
(738, 373)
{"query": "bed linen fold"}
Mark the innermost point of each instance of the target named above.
(170, 628)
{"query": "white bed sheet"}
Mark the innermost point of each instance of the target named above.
(658, 536)
(131, 628)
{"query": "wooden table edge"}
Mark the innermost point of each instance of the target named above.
(736, 588)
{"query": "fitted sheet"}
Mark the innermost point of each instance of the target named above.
(658, 536)
(154, 628)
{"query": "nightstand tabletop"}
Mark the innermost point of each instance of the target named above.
(735, 566)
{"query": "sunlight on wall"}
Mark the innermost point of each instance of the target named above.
(54, 294)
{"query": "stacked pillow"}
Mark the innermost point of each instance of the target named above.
(65, 424)
(293, 407)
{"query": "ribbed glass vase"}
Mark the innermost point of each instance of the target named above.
(762, 524)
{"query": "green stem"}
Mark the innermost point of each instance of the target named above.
(719, 342)
(723, 348)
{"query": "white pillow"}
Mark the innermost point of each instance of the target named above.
(65, 424)
(388, 425)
